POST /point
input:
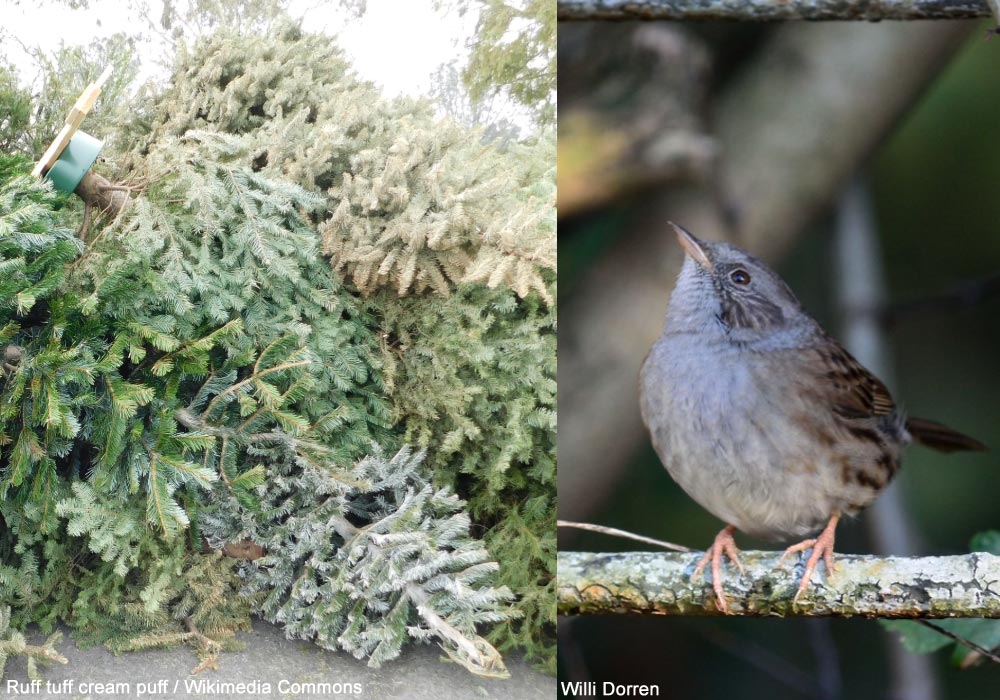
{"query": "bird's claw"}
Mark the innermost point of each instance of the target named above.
(822, 548)
(723, 546)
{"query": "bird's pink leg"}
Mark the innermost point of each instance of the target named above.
(822, 548)
(723, 545)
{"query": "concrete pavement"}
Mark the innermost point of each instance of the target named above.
(269, 667)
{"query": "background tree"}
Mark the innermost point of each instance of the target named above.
(493, 116)
(514, 55)
(17, 112)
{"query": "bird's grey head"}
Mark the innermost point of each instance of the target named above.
(724, 289)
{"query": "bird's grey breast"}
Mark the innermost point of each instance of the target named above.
(697, 400)
(736, 429)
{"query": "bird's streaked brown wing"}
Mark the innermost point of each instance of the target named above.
(853, 391)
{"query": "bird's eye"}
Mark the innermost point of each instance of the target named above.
(740, 277)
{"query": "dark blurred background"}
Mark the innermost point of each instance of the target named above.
(651, 129)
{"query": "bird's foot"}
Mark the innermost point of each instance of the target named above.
(822, 548)
(724, 545)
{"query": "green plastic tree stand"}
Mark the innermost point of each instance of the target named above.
(74, 161)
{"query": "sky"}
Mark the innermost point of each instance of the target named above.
(397, 44)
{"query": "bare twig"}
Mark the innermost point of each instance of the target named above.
(615, 532)
(659, 583)
(962, 640)
(757, 11)
(84, 229)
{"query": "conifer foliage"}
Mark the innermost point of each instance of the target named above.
(415, 202)
(347, 565)
(168, 393)
(198, 378)
(450, 243)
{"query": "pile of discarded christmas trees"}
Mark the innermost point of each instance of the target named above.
(292, 354)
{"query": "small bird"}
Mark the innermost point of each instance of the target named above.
(764, 419)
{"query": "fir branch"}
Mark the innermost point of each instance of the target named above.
(476, 655)
(44, 653)
(252, 379)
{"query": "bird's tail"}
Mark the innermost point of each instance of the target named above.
(941, 437)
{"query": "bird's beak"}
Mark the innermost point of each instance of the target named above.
(692, 246)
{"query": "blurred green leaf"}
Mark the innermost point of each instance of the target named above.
(916, 638)
(987, 541)
(920, 639)
(985, 633)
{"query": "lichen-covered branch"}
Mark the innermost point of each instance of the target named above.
(757, 11)
(892, 587)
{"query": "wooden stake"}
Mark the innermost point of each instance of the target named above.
(84, 103)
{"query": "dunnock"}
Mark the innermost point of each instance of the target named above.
(763, 418)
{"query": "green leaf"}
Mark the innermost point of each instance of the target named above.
(921, 639)
(985, 633)
(916, 638)
(986, 541)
